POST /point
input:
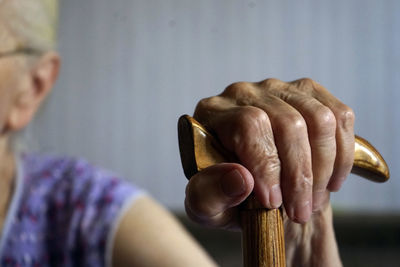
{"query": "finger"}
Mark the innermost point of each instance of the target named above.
(321, 128)
(211, 194)
(246, 131)
(294, 150)
(344, 136)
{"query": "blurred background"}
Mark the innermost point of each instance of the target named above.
(131, 68)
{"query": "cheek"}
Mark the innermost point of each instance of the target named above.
(8, 89)
(4, 108)
(6, 96)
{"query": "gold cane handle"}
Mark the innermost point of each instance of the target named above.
(262, 229)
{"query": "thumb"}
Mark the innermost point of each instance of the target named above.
(213, 194)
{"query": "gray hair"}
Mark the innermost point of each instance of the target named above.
(32, 22)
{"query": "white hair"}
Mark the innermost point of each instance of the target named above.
(32, 22)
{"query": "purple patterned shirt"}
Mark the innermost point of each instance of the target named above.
(64, 212)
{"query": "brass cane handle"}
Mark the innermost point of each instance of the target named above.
(262, 229)
(368, 163)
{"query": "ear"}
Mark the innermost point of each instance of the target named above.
(33, 88)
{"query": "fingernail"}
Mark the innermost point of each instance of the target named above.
(302, 212)
(318, 198)
(275, 196)
(232, 184)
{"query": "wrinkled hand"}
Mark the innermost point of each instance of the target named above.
(294, 142)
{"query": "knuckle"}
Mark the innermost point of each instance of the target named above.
(292, 124)
(266, 162)
(299, 123)
(204, 103)
(306, 82)
(325, 122)
(305, 85)
(318, 88)
(327, 117)
(252, 137)
(249, 124)
(303, 184)
(238, 89)
(271, 82)
(345, 117)
(251, 117)
(206, 106)
(273, 163)
(249, 121)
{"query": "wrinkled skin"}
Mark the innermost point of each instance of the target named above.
(295, 144)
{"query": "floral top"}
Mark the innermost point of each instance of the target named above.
(64, 212)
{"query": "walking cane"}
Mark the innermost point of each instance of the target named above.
(262, 230)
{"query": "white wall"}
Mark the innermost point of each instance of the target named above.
(132, 67)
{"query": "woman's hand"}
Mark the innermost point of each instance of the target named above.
(294, 142)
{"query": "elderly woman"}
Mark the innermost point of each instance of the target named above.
(57, 211)
(61, 211)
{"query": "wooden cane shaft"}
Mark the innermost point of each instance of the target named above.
(262, 237)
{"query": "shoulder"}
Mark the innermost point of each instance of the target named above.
(81, 201)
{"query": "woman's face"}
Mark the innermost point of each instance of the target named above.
(24, 83)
